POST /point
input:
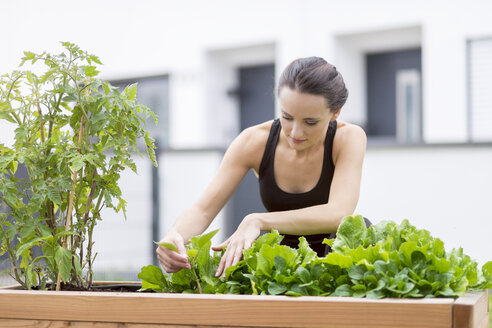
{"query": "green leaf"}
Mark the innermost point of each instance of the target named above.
(276, 289)
(487, 273)
(152, 278)
(328, 242)
(356, 272)
(150, 148)
(343, 290)
(267, 254)
(29, 55)
(46, 76)
(6, 116)
(199, 241)
(106, 88)
(4, 105)
(351, 232)
(168, 245)
(76, 262)
(131, 91)
(303, 274)
(78, 162)
(13, 166)
(280, 263)
(303, 249)
(63, 258)
(375, 294)
(29, 76)
(27, 246)
(95, 59)
(54, 196)
(28, 230)
(89, 71)
(343, 261)
(192, 253)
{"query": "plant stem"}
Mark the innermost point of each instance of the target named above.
(200, 290)
(40, 115)
(70, 202)
(52, 216)
(50, 209)
(98, 210)
(90, 198)
(57, 105)
(13, 261)
(80, 240)
(88, 206)
(89, 253)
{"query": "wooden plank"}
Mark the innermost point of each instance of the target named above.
(11, 323)
(228, 310)
(471, 310)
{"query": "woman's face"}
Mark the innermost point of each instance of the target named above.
(304, 118)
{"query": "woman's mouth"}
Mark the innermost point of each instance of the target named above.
(296, 141)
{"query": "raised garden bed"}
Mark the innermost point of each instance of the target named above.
(22, 308)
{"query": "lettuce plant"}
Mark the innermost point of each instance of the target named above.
(384, 260)
(74, 133)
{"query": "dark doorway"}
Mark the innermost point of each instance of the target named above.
(21, 174)
(257, 105)
(394, 95)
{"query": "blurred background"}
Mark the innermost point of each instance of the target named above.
(419, 74)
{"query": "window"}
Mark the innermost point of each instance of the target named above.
(394, 96)
(408, 106)
(480, 90)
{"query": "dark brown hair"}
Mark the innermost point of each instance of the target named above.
(315, 76)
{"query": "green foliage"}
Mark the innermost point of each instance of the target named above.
(74, 134)
(384, 260)
(200, 278)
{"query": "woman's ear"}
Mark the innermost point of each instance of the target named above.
(335, 114)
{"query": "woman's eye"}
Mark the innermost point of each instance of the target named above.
(311, 123)
(287, 118)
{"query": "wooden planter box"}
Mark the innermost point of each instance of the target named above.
(22, 308)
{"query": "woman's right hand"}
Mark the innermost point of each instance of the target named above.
(170, 260)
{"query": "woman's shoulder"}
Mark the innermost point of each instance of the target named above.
(348, 138)
(252, 141)
(255, 137)
(349, 132)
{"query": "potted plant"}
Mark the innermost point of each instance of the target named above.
(74, 134)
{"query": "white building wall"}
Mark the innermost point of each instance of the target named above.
(125, 245)
(201, 43)
(444, 189)
(154, 37)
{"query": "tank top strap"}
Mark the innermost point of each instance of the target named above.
(330, 136)
(271, 144)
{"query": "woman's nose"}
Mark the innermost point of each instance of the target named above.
(296, 131)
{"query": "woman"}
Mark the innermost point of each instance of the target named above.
(309, 168)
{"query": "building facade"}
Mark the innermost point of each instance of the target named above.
(419, 74)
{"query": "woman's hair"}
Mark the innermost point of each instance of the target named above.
(315, 76)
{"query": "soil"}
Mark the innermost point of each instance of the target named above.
(120, 288)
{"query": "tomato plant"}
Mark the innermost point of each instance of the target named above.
(74, 133)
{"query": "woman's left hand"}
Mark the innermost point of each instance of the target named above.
(241, 239)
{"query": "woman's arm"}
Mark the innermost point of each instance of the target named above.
(348, 155)
(238, 159)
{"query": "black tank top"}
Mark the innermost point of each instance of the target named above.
(275, 199)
